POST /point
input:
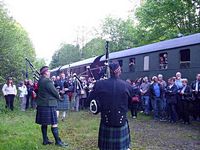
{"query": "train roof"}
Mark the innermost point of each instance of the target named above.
(163, 45)
(55, 69)
(79, 63)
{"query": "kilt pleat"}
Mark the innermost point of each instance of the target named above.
(63, 104)
(114, 138)
(46, 115)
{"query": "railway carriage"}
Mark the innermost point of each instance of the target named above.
(166, 57)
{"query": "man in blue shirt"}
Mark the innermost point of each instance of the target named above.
(156, 97)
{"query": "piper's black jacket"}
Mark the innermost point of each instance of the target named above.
(47, 93)
(114, 96)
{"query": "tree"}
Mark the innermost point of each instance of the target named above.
(65, 55)
(120, 32)
(95, 47)
(165, 19)
(15, 46)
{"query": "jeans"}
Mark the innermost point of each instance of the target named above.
(146, 103)
(157, 104)
(163, 108)
(77, 98)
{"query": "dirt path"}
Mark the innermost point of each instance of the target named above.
(154, 135)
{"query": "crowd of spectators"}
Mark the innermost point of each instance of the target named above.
(25, 90)
(171, 100)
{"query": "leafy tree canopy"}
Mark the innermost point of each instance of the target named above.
(165, 19)
(95, 47)
(67, 54)
(15, 46)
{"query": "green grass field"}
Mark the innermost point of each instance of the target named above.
(18, 131)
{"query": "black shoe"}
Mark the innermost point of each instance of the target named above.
(47, 142)
(61, 144)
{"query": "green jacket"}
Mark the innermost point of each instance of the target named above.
(47, 93)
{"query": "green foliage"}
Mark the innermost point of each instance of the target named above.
(165, 19)
(65, 55)
(95, 47)
(120, 33)
(15, 46)
(39, 62)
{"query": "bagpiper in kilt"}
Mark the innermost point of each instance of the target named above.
(113, 96)
(62, 104)
(47, 97)
(114, 138)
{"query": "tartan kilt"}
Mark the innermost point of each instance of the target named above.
(63, 104)
(114, 138)
(46, 115)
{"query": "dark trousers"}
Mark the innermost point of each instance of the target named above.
(172, 112)
(134, 108)
(186, 109)
(179, 107)
(157, 107)
(6, 99)
(82, 103)
(196, 109)
(9, 101)
(33, 103)
(27, 100)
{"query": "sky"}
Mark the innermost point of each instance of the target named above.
(52, 22)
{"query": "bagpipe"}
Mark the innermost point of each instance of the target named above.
(95, 106)
(35, 72)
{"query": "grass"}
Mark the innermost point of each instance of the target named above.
(18, 131)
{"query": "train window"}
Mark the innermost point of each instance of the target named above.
(132, 64)
(185, 58)
(146, 63)
(163, 60)
(120, 63)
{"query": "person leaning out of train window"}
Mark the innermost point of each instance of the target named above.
(9, 91)
(171, 97)
(196, 97)
(186, 97)
(156, 91)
